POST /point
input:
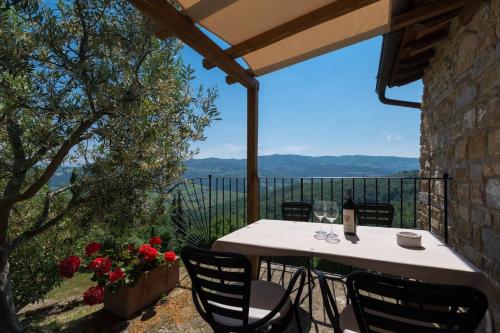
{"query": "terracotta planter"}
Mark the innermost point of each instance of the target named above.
(149, 288)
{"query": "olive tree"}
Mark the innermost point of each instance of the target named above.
(85, 82)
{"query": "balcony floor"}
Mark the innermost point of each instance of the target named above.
(173, 313)
(187, 319)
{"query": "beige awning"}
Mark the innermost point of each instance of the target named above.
(237, 21)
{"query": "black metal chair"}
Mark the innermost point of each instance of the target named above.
(296, 210)
(392, 304)
(229, 301)
(375, 214)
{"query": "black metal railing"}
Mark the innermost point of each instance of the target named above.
(204, 209)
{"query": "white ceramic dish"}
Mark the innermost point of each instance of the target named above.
(409, 239)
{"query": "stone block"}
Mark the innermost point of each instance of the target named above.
(476, 237)
(473, 255)
(463, 191)
(491, 245)
(494, 142)
(461, 150)
(461, 174)
(464, 212)
(495, 219)
(465, 96)
(476, 172)
(476, 193)
(480, 216)
(477, 147)
(493, 193)
(464, 230)
(469, 119)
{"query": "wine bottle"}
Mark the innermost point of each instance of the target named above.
(348, 216)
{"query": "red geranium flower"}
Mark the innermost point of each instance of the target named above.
(116, 275)
(155, 241)
(93, 296)
(100, 265)
(148, 252)
(69, 266)
(170, 256)
(92, 248)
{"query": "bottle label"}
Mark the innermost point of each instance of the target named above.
(349, 223)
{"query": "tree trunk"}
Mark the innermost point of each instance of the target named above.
(8, 318)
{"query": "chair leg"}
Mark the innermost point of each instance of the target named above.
(283, 275)
(309, 287)
(297, 318)
(269, 275)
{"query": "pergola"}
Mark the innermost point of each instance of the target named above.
(272, 34)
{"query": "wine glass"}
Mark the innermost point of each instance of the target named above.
(319, 212)
(331, 214)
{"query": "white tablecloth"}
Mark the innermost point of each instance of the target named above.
(373, 248)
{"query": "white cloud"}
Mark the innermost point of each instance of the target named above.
(393, 137)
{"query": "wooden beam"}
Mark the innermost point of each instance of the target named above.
(324, 14)
(421, 57)
(407, 79)
(207, 64)
(435, 21)
(230, 80)
(415, 61)
(469, 11)
(162, 33)
(181, 26)
(252, 153)
(427, 41)
(426, 12)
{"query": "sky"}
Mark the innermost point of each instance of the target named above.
(324, 106)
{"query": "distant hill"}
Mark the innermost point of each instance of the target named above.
(286, 166)
(303, 166)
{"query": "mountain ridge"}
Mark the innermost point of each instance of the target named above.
(289, 165)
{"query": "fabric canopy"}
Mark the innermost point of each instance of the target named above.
(235, 21)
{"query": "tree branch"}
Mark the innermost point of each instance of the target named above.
(36, 230)
(74, 139)
(46, 208)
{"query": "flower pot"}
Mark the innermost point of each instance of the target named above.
(149, 288)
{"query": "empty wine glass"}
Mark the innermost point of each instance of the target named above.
(319, 212)
(331, 214)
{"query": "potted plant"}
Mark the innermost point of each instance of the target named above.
(128, 277)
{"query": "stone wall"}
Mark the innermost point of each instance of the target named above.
(460, 135)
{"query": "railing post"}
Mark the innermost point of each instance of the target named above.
(210, 207)
(445, 179)
(301, 189)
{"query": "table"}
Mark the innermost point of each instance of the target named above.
(373, 248)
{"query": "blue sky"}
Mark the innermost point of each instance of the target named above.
(324, 106)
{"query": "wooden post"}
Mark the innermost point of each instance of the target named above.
(253, 206)
(252, 151)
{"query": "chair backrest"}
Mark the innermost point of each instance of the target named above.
(375, 214)
(296, 210)
(220, 284)
(391, 304)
